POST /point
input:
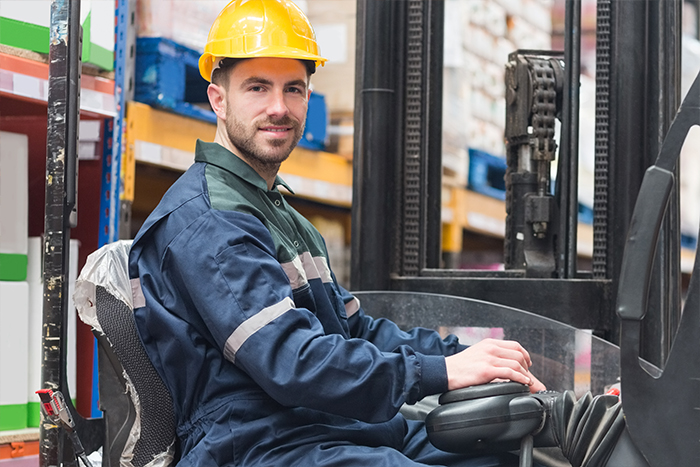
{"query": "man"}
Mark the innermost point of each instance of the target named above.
(269, 361)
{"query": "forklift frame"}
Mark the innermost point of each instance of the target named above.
(395, 244)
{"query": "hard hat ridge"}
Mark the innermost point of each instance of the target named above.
(259, 28)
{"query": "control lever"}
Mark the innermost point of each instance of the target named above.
(53, 406)
(501, 417)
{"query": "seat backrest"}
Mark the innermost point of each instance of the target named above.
(138, 409)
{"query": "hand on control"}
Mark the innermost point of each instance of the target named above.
(489, 360)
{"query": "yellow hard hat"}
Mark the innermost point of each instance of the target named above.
(259, 28)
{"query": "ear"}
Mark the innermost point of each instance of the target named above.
(217, 100)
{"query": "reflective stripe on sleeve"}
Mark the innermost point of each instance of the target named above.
(295, 272)
(137, 298)
(352, 307)
(324, 272)
(253, 325)
(303, 268)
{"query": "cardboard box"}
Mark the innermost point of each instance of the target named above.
(525, 35)
(341, 134)
(689, 160)
(14, 324)
(456, 110)
(14, 215)
(35, 323)
(186, 22)
(334, 22)
(25, 25)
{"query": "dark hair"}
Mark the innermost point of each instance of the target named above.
(220, 74)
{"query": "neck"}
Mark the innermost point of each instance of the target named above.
(267, 171)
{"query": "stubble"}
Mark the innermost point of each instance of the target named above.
(265, 157)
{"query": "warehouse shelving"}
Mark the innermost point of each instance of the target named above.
(23, 109)
(474, 212)
(25, 79)
(165, 142)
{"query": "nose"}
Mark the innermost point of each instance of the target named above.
(277, 107)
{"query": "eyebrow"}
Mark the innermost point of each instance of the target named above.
(267, 82)
(297, 82)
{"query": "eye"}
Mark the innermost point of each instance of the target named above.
(295, 90)
(256, 88)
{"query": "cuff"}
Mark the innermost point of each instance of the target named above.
(433, 375)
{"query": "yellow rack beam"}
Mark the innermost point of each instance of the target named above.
(168, 140)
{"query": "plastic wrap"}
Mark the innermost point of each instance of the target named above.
(109, 268)
(183, 21)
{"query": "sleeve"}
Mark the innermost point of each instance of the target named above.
(241, 293)
(387, 336)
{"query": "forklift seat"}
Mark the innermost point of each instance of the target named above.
(138, 409)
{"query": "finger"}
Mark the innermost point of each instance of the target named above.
(505, 374)
(509, 367)
(513, 375)
(536, 385)
(514, 355)
(514, 346)
(513, 364)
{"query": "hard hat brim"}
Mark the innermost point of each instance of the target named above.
(208, 60)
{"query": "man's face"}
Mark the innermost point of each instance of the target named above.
(266, 107)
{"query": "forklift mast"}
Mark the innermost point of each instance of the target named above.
(398, 113)
(60, 216)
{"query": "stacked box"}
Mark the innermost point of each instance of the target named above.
(689, 161)
(13, 206)
(14, 291)
(35, 306)
(14, 324)
(479, 35)
(337, 244)
(456, 98)
(316, 129)
(334, 23)
(689, 184)
(586, 149)
(341, 131)
(458, 88)
(186, 22)
(25, 25)
(35, 323)
(167, 76)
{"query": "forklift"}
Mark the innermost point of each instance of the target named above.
(630, 302)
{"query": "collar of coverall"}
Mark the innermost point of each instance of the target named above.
(216, 154)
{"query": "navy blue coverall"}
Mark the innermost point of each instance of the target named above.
(269, 361)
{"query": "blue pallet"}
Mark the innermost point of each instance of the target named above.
(585, 214)
(167, 77)
(688, 241)
(487, 174)
(316, 130)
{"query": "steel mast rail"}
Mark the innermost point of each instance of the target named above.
(397, 158)
(60, 216)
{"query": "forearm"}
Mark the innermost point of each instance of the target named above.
(387, 336)
(348, 377)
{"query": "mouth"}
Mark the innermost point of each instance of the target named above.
(276, 131)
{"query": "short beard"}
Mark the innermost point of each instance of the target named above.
(242, 138)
